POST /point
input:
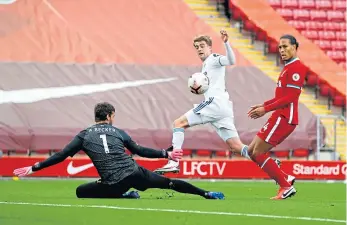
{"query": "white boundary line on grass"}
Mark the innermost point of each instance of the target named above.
(194, 180)
(175, 211)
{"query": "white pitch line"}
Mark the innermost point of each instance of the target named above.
(176, 211)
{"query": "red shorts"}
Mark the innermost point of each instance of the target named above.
(276, 130)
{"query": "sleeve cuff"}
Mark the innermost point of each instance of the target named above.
(36, 167)
(165, 154)
(267, 108)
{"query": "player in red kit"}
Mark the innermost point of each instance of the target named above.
(284, 118)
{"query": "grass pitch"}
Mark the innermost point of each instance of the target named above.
(53, 202)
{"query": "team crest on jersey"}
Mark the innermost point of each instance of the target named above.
(215, 55)
(205, 73)
(296, 77)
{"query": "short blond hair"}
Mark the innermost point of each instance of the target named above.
(204, 38)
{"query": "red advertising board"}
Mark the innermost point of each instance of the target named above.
(202, 169)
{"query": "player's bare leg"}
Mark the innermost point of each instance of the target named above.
(238, 147)
(179, 126)
(257, 151)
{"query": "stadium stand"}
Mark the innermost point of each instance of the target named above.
(79, 49)
(310, 16)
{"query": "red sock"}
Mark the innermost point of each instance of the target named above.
(271, 168)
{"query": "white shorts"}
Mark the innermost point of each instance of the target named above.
(218, 113)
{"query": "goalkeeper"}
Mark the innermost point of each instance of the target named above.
(105, 145)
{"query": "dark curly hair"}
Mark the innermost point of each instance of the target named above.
(101, 110)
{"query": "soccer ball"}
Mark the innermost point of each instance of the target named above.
(198, 83)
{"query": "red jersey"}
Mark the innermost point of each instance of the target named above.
(288, 91)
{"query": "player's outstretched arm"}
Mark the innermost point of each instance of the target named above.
(139, 150)
(230, 58)
(71, 149)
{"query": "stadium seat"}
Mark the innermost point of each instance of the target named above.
(324, 90)
(249, 26)
(225, 154)
(321, 82)
(300, 14)
(290, 4)
(335, 16)
(301, 153)
(331, 26)
(285, 13)
(306, 4)
(341, 36)
(204, 153)
(299, 25)
(275, 4)
(313, 25)
(338, 56)
(326, 35)
(312, 79)
(323, 5)
(237, 14)
(332, 92)
(339, 5)
(339, 100)
(317, 15)
(324, 45)
(273, 46)
(261, 35)
(187, 152)
(338, 45)
(342, 26)
(281, 154)
(313, 35)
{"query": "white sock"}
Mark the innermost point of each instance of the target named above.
(244, 152)
(177, 138)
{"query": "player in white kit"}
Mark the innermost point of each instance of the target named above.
(216, 109)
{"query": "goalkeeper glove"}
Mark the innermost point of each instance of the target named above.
(24, 171)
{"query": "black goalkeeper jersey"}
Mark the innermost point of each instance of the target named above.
(105, 145)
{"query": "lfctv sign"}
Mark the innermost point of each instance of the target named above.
(203, 168)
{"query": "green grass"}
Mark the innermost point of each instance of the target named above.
(314, 200)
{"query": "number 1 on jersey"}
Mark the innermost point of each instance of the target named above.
(104, 142)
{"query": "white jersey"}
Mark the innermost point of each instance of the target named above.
(215, 71)
(217, 109)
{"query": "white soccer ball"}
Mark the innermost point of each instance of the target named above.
(198, 83)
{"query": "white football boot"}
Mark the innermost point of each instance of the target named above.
(170, 167)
